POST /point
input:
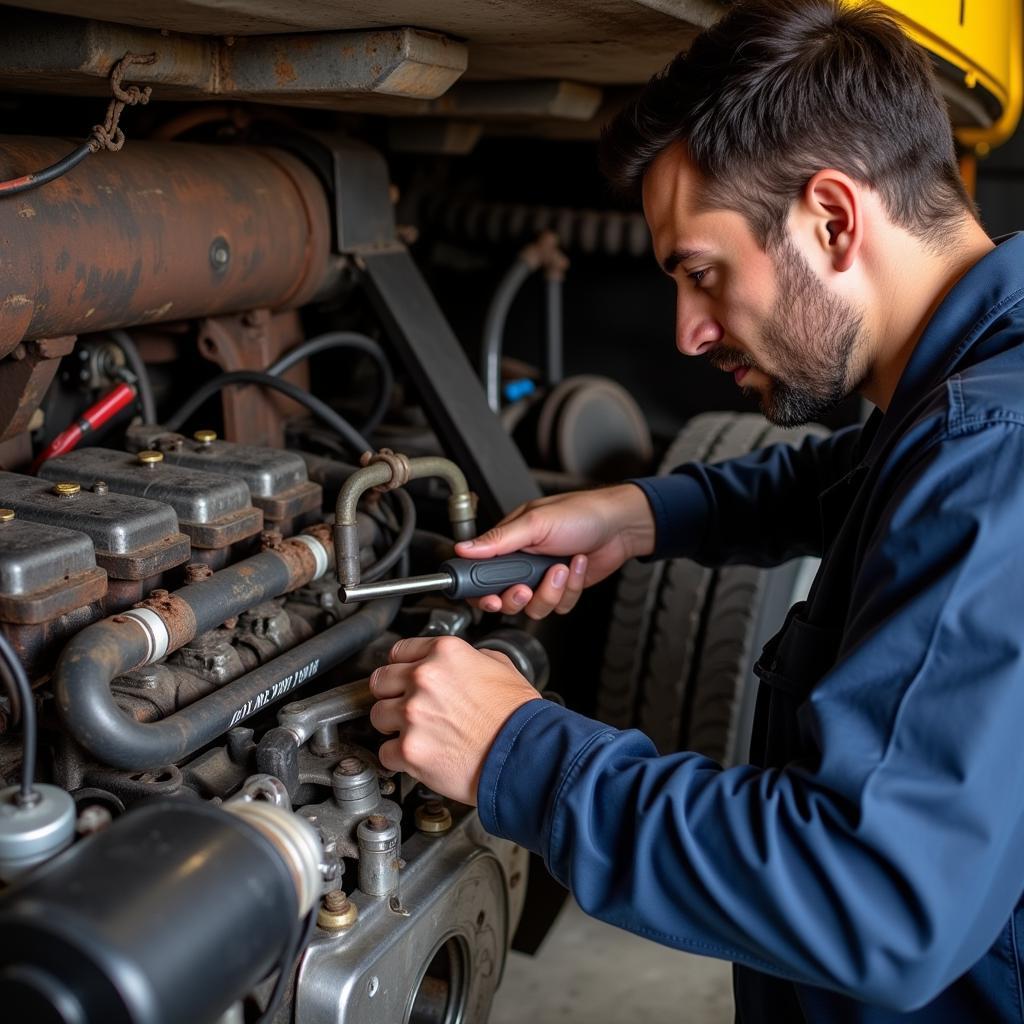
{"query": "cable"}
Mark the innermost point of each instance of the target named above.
(101, 412)
(494, 328)
(322, 410)
(27, 182)
(13, 676)
(294, 950)
(401, 542)
(138, 367)
(345, 339)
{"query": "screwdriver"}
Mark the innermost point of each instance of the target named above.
(462, 578)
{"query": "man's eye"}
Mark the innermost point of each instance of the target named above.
(696, 276)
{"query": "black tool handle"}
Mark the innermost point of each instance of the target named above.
(478, 577)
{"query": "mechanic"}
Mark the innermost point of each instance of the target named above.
(798, 176)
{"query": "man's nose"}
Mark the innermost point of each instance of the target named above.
(697, 331)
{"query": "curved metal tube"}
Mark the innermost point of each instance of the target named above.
(494, 327)
(461, 507)
(99, 654)
(544, 252)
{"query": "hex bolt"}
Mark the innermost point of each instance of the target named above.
(93, 819)
(6, 515)
(150, 458)
(379, 839)
(100, 487)
(337, 911)
(196, 571)
(350, 765)
(66, 489)
(433, 817)
(271, 539)
(205, 437)
(158, 594)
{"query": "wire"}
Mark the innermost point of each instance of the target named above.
(357, 443)
(101, 412)
(138, 367)
(293, 951)
(27, 182)
(401, 542)
(13, 675)
(346, 339)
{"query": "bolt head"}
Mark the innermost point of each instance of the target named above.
(433, 817)
(150, 457)
(66, 489)
(205, 436)
(6, 515)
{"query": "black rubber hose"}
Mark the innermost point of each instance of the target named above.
(400, 543)
(106, 650)
(321, 410)
(13, 675)
(142, 381)
(352, 340)
(28, 182)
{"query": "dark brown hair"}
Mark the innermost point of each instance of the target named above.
(774, 92)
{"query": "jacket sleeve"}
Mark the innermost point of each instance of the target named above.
(884, 866)
(759, 509)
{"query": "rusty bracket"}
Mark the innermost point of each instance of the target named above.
(24, 377)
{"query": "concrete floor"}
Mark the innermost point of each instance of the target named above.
(587, 972)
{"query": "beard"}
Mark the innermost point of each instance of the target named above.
(812, 337)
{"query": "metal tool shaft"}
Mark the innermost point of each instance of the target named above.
(389, 588)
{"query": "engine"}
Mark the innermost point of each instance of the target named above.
(194, 824)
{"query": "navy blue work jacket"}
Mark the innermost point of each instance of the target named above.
(868, 865)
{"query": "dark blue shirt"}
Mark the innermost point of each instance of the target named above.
(868, 865)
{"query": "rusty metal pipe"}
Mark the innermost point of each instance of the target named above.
(461, 503)
(160, 231)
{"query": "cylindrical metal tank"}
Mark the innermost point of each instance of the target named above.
(159, 231)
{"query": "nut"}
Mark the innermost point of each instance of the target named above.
(150, 458)
(196, 571)
(350, 766)
(66, 489)
(433, 817)
(205, 436)
(337, 911)
(6, 515)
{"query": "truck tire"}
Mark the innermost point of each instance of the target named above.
(636, 592)
(747, 607)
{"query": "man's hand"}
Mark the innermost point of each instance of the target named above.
(601, 529)
(447, 701)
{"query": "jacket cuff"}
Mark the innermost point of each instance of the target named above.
(681, 507)
(530, 758)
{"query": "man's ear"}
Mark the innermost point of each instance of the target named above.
(831, 208)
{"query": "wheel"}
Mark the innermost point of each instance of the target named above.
(746, 608)
(679, 617)
(626, 647)
(682, 638)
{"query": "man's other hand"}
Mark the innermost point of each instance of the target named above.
(447, 701)
(600, 529)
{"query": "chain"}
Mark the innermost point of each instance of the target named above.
(108, 135)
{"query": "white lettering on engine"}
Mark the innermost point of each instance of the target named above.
(271, 694)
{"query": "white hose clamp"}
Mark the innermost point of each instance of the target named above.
(158, 637)
(319, 554)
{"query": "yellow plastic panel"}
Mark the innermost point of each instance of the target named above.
(981, 38)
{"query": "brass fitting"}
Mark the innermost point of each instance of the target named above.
(66, 489)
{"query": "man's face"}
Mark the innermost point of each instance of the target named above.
(765, 317)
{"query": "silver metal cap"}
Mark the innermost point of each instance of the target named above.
(31, 834)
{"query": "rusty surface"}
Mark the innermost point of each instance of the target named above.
(230, 529)
(157, 558)
(158, 232)
(41, 606)
(252, 341)
(38, 644)
(25, 375)
(286, 506)
(177, 616)
(299, 560)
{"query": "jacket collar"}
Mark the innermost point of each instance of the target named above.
(988, 289)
